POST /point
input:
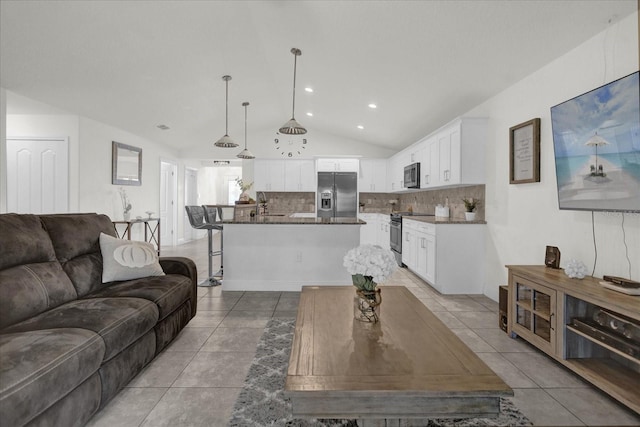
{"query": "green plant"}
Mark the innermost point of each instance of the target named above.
(470, 204)
(243, 187)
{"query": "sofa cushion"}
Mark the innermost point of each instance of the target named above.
(37, 368)
(31, 289)
(75, 409)
(167, 292)
(127, 259)
(76, 241)
(119, 321)
(24, 241)
(31, 279)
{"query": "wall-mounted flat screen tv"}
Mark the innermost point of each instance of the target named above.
(596, 140)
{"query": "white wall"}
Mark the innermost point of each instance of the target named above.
(96, 193)
(90, 188)
(522, 219)
(213, 186)
(3, 150)
(262, 145)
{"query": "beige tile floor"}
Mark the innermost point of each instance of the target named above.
(196, 380)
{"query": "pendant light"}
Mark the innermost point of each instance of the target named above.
(226, 141)
(245, 154)
(292, 127)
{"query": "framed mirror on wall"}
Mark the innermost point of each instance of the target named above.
(126, 164)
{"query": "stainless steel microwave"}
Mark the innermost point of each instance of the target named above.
(412, 176)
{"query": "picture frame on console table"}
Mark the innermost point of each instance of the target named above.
(524, 152)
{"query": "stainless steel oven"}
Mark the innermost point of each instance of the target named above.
(395, 236)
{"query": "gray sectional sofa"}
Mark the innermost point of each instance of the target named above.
(68, 342)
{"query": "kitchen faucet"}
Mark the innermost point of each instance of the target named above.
(261, 199)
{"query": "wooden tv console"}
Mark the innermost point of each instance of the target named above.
(543, 302)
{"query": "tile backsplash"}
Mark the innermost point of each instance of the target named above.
(423, 201)
(288, 202)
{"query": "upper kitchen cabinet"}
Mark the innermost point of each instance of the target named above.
(337, 165)
(299, 175)
(429, 168)
(396, 164)
(268, 175)
(284, 175)
(461, 146)
(415, 153)
(395, 172)
(454, 155)
(372, 177)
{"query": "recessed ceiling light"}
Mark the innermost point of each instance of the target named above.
(310, 114)
(360, 127)
(308, 89)
(163, 127)
(373, 106)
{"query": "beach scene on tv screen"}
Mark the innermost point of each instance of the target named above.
(596, 140)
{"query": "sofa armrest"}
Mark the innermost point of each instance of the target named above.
(186, 267)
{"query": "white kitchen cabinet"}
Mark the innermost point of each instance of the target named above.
(452, 155)
(461, 146)
(376, 231)
(415, 153)
(268, 175)
(383, 231)
(299, 175)
(284, 175)
(409, 244)
(372, 177)
(429, 168)
(450, 257)
(369, 231)
(395, 172)
(444, 158)
(338, 165)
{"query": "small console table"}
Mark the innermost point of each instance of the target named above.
(592, 330)
(151, 230)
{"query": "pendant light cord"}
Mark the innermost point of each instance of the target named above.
(245, 124)
(226, 108)
(295, 61)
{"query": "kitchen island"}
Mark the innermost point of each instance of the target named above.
(280, 253)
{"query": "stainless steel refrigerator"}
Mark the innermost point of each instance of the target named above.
(337, 194)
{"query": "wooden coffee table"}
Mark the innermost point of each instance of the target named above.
(409, 365)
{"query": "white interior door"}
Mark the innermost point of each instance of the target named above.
(37, 175)
(168, 196)
(190, 199)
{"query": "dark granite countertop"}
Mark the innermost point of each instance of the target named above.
(286, 220)
(436, 220)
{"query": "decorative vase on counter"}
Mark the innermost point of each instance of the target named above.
(470, 216)
(366, 305)
(126, 215)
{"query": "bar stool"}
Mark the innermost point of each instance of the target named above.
(196, 216)
(210, 213)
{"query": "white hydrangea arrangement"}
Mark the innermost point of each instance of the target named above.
(576, 269)
(370, 261)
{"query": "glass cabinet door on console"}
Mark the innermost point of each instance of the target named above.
(535, 308)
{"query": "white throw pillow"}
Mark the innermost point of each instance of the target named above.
(127, 259)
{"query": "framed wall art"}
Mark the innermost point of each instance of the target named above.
(524, 152)
(126, 164)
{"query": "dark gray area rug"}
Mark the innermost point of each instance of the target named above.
(262, 403)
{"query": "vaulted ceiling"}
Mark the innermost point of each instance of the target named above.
(139, 64)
